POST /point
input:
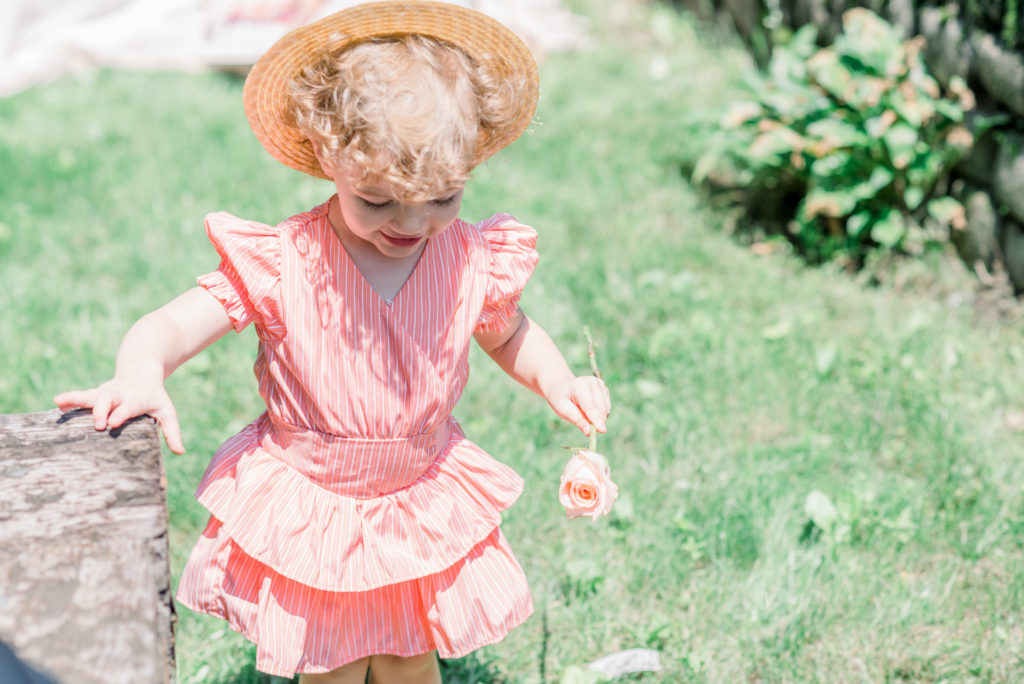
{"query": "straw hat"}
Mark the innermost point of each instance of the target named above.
(484, 39)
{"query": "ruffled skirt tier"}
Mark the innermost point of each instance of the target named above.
(296, 628)
(316, 578)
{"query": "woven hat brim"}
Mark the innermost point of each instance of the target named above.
(484, 39)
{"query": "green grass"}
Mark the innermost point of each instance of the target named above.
(741, 383)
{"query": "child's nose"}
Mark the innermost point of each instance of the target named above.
(412, 222)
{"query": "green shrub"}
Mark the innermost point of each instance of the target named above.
(846, 149)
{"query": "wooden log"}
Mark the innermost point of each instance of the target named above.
(84, 577)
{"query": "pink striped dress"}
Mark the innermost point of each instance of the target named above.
(353, 517)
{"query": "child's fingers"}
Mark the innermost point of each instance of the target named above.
(168, 419)
(594, 402)
(101, 408)
(567, 409)
(74, 399)
(110, 411)
(121, 413)
(583, 402)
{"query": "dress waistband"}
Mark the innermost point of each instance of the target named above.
(357, 467)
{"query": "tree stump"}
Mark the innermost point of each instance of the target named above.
(84, 578)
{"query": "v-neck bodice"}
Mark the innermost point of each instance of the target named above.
(348, 255)
(335, 356)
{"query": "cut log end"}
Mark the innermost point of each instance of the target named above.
(84, 575)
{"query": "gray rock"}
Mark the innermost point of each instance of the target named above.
(900, 14)
(947, 53)
(978, 164)
(746, 14)
(931, 21)
(1013, 254)
(977, 242)
(1008, 174)
(821, 14)
(1000, 70)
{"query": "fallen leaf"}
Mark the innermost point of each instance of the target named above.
(764, 248)
(820, 509)
(1014, 420)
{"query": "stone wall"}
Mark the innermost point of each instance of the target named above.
(983, 42)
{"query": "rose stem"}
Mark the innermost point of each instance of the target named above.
(590, 352)
(597, 373)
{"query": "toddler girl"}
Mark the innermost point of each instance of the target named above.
(353, 526)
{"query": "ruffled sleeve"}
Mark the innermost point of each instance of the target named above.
(247, 282)
(512, 259)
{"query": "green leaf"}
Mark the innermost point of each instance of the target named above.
(868, 92)
(925, 170)
(836, 133)
(880, 178)
(856, 223)
(951, 111)
(829, 73)
(740, 113)
(871, 40)
(983, 123)
(889, 229)
(788, 63)
(901, 141)
(804, 42)
(913, 196)
(775, 146)
(831, 165)
(821, 202)
(948, 211)
(796, 103)
(916, 111)
(707, 163)
(877, 125)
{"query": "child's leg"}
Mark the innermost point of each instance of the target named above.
(351, 673)
(420, 669)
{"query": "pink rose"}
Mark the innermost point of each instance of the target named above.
(587, 488)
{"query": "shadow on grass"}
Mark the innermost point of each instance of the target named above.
(250, 675)
(469, 670)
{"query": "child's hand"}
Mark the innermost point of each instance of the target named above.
(582, 400)
(116, 401)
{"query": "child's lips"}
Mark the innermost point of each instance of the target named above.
(402, 241)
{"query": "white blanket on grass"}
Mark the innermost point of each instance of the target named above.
(40, 41)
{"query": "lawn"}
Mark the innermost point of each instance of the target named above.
(742, 381)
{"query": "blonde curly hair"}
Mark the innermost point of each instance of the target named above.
(405, 112)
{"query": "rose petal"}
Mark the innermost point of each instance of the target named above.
(586, 488)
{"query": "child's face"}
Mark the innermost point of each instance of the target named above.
(397, 228)
(394, 227)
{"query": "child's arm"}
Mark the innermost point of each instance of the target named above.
(152, 349)
(525, 352)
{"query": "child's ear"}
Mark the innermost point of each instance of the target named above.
(325, 161)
